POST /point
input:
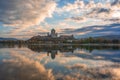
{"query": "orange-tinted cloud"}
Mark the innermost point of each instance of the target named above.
(25, 13)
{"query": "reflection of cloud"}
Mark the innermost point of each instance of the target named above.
(116, 72)
(77, 66)
(98, 57)
(23, 68)
(108, 72)
(25, 65)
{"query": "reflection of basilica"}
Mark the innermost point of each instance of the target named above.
(52, 50)
(53, 53)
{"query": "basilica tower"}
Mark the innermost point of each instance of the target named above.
(53, 33)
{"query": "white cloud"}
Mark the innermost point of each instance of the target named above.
(71, 7)
(77, 19)
(103, 11)
(25, 13)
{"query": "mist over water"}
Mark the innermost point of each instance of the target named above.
(35, 62)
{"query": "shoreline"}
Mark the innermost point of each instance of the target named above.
(80, 44)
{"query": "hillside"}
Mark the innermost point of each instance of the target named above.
(1, 39)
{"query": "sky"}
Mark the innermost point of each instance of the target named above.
(83, 18)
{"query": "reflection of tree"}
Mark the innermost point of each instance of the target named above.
(90, 48)
(52, 50)
(61, 48)
(7, 45)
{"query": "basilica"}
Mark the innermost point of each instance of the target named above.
(52, 37)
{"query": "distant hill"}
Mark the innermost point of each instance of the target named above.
(1, 39)
(110, 37)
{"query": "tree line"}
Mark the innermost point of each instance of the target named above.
(75, 41)
(98, 40)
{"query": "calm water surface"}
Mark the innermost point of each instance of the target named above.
(33, 62)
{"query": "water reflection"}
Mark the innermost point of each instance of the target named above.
(51, 50)
(59, 62)
(21, 67)
(95, 52)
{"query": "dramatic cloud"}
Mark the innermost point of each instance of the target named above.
(95, 30)
(77, 19)
(100, 12)
(104, 12)
(108, 11)
(25, 13)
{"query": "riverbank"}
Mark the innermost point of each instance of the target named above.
(81, 44)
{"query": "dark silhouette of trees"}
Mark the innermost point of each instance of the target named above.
(97, 41)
